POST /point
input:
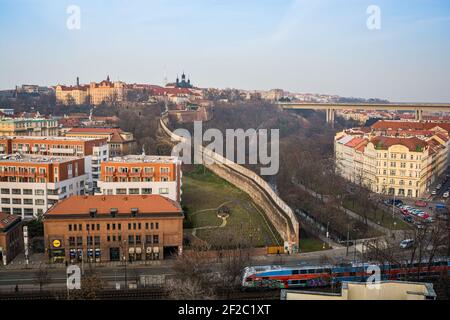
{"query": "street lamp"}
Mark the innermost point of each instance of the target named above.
(125, 260)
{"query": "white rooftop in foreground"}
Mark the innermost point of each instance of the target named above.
(386, 290)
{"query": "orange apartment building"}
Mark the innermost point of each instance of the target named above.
(94, 150)
(141, 174)
(31, 184)
(113, 228)
(11, 237)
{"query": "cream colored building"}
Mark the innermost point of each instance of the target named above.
(28, 127)
(385, 290)
(405, 167)
(94, 93)
(71, 95)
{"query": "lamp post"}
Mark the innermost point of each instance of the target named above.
(125, 260)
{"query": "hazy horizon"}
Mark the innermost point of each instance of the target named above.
(304, 46)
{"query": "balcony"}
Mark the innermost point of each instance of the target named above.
(147, 174)
(135, 174)
(121, 174)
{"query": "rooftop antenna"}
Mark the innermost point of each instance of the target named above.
(165, 75)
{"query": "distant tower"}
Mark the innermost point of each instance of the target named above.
(178, 80)
(78, 82)
(107, 78)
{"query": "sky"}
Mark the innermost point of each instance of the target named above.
(306, 46)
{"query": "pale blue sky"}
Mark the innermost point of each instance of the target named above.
(320, 46)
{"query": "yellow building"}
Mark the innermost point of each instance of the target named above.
(71, 95)
(405, 167)
(384, 290)
(94, 93)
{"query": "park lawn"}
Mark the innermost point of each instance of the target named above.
(381, 217)
(312, 244)
(204, 192)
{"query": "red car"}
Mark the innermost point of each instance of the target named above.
(419, 203)
(404, 212)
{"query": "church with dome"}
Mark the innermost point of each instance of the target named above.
(184, 83)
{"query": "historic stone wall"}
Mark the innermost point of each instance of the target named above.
(276, 210)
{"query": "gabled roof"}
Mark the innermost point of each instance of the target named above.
(7, 220)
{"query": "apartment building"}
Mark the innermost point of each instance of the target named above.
(141, 175)
(391, 165)
(93, 150)
(31, 184)
(11, 237)
(113, 228)
(28, 127)
(120, 142)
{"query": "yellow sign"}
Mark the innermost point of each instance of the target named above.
(56, 243)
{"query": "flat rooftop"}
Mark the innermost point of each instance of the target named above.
(144, 159)
(30, 158)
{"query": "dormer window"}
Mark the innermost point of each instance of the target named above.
(93, 212)
(114, 212)
(134, 212)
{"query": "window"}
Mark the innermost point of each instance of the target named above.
(39, 192)
(27, 191)
(27, 201)
(121, 191)
(138, 239)
(70, 227)
(156, 239)
(16, 191)
(156, 225)
(164, 170)
(17, 211)
(119, 226)
(6, 201)
(146, 190)
(107, 226)
(134, 191)
(131, 239)
(6, 210)
(17, 201)
(5, 191)
(163, 190)
(39, 202)
(72, 241)
(28, 211)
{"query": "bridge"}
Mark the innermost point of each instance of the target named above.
(330, 108)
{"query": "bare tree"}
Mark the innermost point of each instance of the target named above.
(42, 277)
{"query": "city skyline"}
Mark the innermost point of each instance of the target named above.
(299, 46)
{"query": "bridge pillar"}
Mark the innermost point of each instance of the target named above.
(419, 114)
(330, 116)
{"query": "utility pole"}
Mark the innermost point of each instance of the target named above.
(348, 237)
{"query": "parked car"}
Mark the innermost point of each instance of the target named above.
(408, 219)
(420, 203)
(407, 243)
(429, 219)
(433, 193)
(439, 186)
(419, 226)
(446, 194)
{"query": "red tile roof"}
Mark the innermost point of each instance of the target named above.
(95, 130)
(354, 142)
(104, 203)
(409, 125)
(411, 143)
(7, 220)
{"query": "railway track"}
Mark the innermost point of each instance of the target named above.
(137, 294)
